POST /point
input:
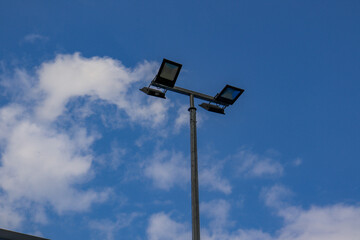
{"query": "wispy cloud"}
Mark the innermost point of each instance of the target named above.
(321, 223)
(33, 37)
(211, 178)
(251, 164)
(106, 229)
(218, 213)
(10, 217)
(297, 162)
(337, 221)
(183, 118)
(276, 196)
(167, 169)
(162, 227)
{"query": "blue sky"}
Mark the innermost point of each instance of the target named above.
(85, 155)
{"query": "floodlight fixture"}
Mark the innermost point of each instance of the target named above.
(229, 95)
(168, 73)
(213, 108)
(153, 92)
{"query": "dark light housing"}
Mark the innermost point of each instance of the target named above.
(168, 73)
(229, 94)
(212, 108)
(153, 92)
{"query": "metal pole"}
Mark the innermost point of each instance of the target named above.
(194, 173)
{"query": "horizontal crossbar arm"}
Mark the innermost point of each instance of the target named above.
(188, 92)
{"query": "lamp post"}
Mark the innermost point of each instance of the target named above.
(165, 80)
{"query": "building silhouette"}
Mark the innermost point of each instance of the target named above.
(10, 235)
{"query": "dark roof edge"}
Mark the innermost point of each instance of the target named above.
(10, 235)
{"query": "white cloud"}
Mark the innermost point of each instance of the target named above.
(236, 235)
(33, 37)
(183, 118)
(320, 223)
(18, 85)
(255, 165)
(276, 196)
(113, 159)
(297, 162)
(167, 169)
(218, 212)
(337, 221)
(106, 229)
(10, 218)
(42, 165)
(9, 117)
(70, 76)
(317, 223)
(39, 214)
(162, 227)
(210, 177)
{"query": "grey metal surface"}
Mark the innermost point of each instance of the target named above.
(10, 235)
(153, 92)
(212, 108)
(194, 173)
(190, 92)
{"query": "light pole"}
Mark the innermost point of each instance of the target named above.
(165, 80)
